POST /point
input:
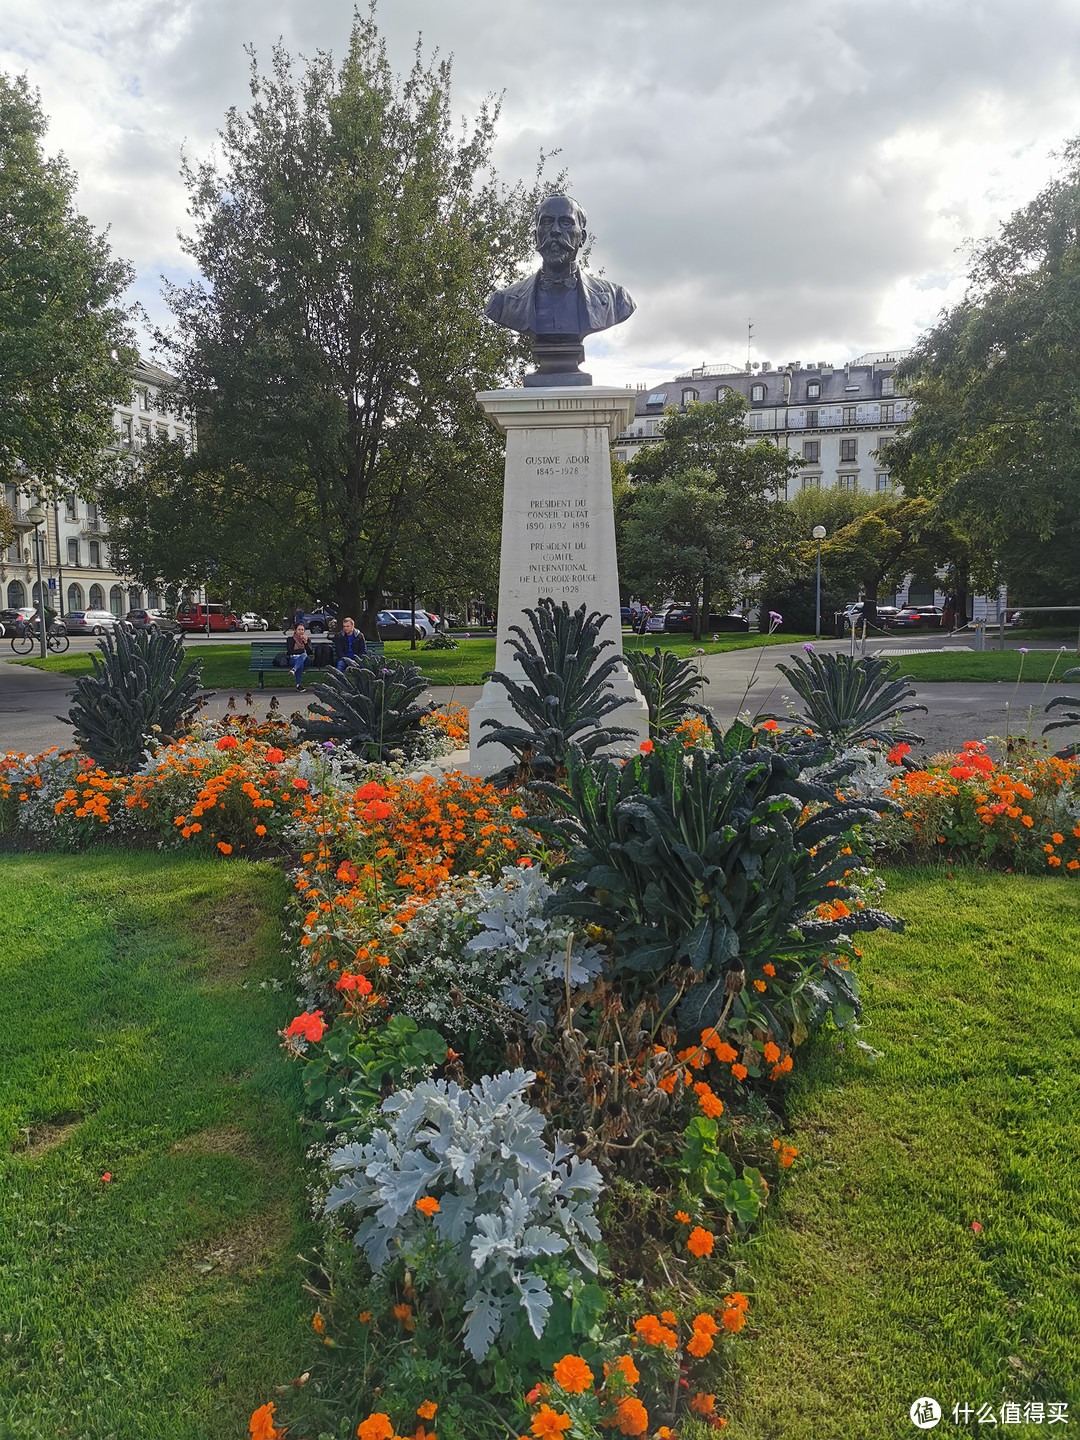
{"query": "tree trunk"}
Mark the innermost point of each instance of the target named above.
(701, 613)
(369, 621)
(870, 599)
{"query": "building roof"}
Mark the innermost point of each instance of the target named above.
(845, 384)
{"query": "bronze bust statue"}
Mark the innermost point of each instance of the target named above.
(561, 304)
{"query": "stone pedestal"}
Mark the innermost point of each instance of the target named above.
(558, 532)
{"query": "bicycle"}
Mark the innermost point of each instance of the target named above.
(58, 641)
(25, 638)
(22, 640)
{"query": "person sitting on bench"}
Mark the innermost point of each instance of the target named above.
(297, 653)
(348, 643)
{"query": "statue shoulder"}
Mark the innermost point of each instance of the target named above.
(511, 306)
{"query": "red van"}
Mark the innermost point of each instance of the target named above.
(197, 617)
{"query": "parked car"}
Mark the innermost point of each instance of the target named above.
(679, 620)
(919, 617)
(315, 622)
(250, 621)
(404, 624)
(201, 617)
(153, 622)
(91, 622)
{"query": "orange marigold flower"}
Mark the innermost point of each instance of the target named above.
(705, 1322)
(225, 849)
(703, 1404)
(733, 1319)
(364, 1317)
(669, 1317)
(549, 1424)
(1058, 839)
(626, 1365)
(771, 1052)
(682, 1217)
(428, 1206)
(770, 970)
(739, 1071)
(760, 985)
(376, 1427)
(699, 1345)
(260, 829)
(402, 1311)
(261, 1425)
(711, 1104)
(631, 1416)
(318, 1324)
(700, 1242)
(426, 1411)
(573, 1374)
(738, 1301)
(274, 756)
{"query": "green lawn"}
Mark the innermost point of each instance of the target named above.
(225, 666)
(990, 665)
(872, 1287)
(167, 1303)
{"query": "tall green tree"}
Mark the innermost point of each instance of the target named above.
(65, 339)
(995, 438)
(730, 541)
(348, 233)
(890, 542)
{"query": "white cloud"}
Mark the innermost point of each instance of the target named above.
(814, 168)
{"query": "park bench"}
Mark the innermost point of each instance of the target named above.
(263, 653)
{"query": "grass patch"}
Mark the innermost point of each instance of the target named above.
(225, 666)
(165, 1304)
(873, 1289)
(1038, 665)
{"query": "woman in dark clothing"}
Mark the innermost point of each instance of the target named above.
(297, 653)
(348, 643)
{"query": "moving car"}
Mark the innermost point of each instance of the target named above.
(679, 620)
(919, 617)
(90, 622)
(315, 622)
(200, 617)
(250, 621)
(403, 625)
(153, 622)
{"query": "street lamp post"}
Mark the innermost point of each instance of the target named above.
(819, 533)
(36, 516)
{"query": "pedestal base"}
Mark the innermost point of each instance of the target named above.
(558, 532)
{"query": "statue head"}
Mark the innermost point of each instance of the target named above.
(561, 227)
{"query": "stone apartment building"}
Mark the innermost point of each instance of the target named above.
(76, 564)
(835, 418)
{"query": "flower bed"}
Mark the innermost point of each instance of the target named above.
(542, 1041)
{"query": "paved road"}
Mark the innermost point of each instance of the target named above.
(31, 701)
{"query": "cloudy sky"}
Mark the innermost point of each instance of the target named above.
(813, 168)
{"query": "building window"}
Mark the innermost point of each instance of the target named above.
(812, 418)
(144, 435)
(658, 398)
(887, 412)
(73, 553)
(722, 391)
(811, 482)
(811, 451)
(75, 598)
(887, 387)
(95, 561)
(813, 390)
(11, 497)
(97, 598)
(116, 600)
(847, 449)
(125, 433)
(71, 509)
(16, 594)
(757, 392)
(883, 482)
(756, 422)
(181, 439)
(144, 399)
(689, 397)
(91, 514)
(849, 415)
(846, 482)
(163, 432)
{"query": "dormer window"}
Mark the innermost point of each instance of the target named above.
(757, 392)
(813, 390)
(887, 385)
(689, 397)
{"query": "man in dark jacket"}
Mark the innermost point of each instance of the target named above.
(348, 643)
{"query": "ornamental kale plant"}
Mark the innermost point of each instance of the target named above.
(141, 694)
(669, 685)
(706, 867)
(505, 1203)
(1072, 717)
(369, 705)
(568, 693)
(852, 701)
